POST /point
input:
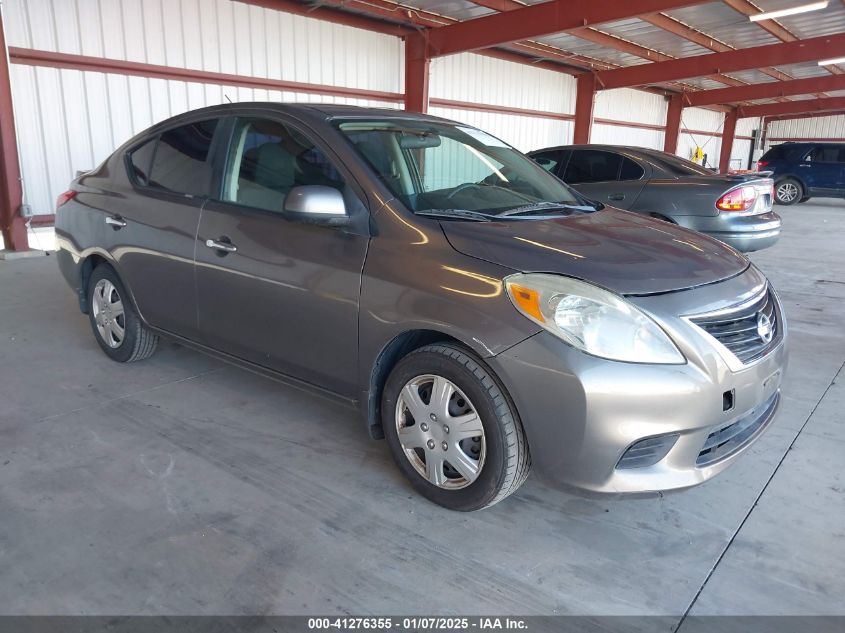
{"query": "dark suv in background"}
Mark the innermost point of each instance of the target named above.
(804, 170)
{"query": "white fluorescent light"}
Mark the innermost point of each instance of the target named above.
(829, 62)
(780, 13)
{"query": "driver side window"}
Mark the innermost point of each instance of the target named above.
(267, 159)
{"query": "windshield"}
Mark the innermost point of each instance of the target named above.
(436, 168)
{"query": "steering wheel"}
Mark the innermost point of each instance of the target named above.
(460, 188)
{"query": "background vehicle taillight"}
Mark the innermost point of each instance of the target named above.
(65, 197)
(739, 199)
(761, 164)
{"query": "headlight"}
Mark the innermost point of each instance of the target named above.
(592, 319)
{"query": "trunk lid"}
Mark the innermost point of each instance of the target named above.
(622, 251)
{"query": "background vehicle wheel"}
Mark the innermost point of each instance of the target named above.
(452, 429)
(804, 199)
(115, 323)
(788, 191)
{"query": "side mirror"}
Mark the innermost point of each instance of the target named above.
(316, 204)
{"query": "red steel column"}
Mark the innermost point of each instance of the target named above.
(585, 99)
(728, 132)
(416, 73)
(11, 195)
(673, 123)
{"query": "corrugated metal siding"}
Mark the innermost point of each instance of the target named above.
(479, 79)
(619, 135)
(525, 133)
(828, 127)
(694, 121)
(624, 104)
(68, 120)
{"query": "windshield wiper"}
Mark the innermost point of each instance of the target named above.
(544, 206)
(463, 214)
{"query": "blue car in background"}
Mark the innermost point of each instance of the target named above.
(804, 170)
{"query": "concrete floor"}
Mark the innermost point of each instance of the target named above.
(181, 485)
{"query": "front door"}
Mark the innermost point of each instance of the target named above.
(282, 294)
(822, 169)
(605, 177)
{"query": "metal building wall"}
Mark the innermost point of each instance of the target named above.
(825, 127)
(69, 120)
(467, 77)
(636, 106)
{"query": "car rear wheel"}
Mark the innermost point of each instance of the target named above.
(114, 320)
(452, 430)
(788, 191)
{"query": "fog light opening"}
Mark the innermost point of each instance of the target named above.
(647, 452)
(728, 400)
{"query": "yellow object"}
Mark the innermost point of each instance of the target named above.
(698, 155)
(527, 299)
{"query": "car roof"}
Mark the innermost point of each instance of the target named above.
(321, 110)
(627, 148)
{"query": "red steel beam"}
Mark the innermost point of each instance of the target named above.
(808, 50)
(547, 18)
(32, 57)
(728, 132)
(766, 90)
(804, 115)
(673, 124)
(416, 74)
(585, 99)
(12, 224)
(793, 107)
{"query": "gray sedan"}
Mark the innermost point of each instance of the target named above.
(484, 318)
(736, 209)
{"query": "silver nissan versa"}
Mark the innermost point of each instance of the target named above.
(481, 315)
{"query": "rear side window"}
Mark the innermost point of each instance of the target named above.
(140, 160)
(775, 153)
(630, 170)
(826, 154)
(590, 165)
(550, 161)
(180, 161)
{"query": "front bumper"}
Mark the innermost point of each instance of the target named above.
(745, 233)
(581, 413)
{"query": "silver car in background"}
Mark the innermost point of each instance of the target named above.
(733, 208)
(482, 316)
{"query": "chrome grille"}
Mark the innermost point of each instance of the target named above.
(739, 330)
(727, 440)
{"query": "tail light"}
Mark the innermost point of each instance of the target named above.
(65, 197)
(739, 199)
(761, 164)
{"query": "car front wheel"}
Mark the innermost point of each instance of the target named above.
(452, 430)
(788, 191)
(114, 320)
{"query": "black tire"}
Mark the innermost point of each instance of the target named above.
(138, 341)
(506, 462)
(804, 199)
(788, 191)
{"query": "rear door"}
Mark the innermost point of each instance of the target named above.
(822, 169)
(155, 223)
(287, 297)
(605, 176)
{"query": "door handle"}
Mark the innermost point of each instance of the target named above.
(115, 221)
(616, 196)
(224, 246)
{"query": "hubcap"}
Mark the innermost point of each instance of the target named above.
(108, 313)
(449, 448)
(787, 192)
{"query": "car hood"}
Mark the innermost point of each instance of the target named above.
(622, 251)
